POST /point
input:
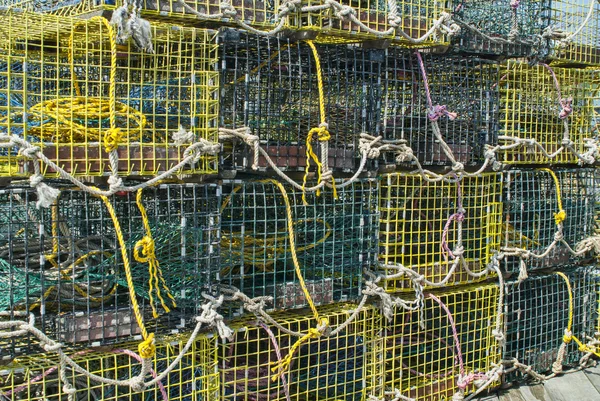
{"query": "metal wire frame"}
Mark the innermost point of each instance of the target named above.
(530, 108)
(270, 85)
(336, 367)
(465, 85)
(418, 219)
(55, 91)
(335, 239)
(195, 378)
(487, 27)
(257, 13)
(583, 44)
(422, 362)
(530, 203)
(64, 264)
(416, 17)
(536, 314)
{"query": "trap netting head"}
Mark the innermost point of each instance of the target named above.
(551, 106)
(378, 17)
(458, 94)
(271, 86)
(195, 378)
(334, 240)
(69, 87)
(424, 225)
(574, 30)
(536, 314)
(422, 357)
(65, 263)
(501, 28)
(532, 201)
(337, 367)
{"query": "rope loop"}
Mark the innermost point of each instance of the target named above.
(112, 139)
(144, 249)
(438, 111)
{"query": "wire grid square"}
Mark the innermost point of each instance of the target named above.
(258, 13)
(530, 108)
(195, 378)
(486, 26)
(64, 264)
(415, 18)
(465, 85)
(570, 16)
(55, 91)
(536, 315)
(270, 85)
(328, 368)
(530, 202)
(335, 239)
(414, 213)
(422, 362)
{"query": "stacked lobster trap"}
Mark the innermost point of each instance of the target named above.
(196, 179)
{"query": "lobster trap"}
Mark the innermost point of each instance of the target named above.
(333, 241)
(424, 225)
(338, 367)
(532, 200)
(553, 107)
(574, 32)
(271, 86)
(67, 87)
(36, 378)
(373, 20)
(424, 355)
(536, 314)
(501, 28)
(68, 265)
(457, 94)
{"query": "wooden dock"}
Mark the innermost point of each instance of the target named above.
(577, 386)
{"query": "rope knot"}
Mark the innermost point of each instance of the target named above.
(366, 145)
(323, 132)
(227, 10)
(29, 152)
(112, 138)
(566, 142)
(438, 111)
(68, 389)
(182, 136)
(568, 336)
(404, 153)
(498, 335)
(114, 183)
(514, 4)
(558, 236)
(313, 333)
(289, 7)
(137, 385)
(143, 250)
(458, 166)
(567, 107)
(344, 12)
(147, 348)
(46, 194)
(560, 216)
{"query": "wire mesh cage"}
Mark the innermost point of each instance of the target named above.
(422, 357)
(270, 85)
(464, 87)
(334, 240)
(376, 20)
(337, 367)
(574, 29)
(66, 265)
(36, 378)
(548, 106)
(531, 202)
(501, 28)
(536, 314)
(421, 225)
(257, 13)
(67, 87)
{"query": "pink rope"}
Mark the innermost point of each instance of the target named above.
(437, 111)
(514, 4)
(286, 388)
(566, 104)
(135, 356)
(458, 216)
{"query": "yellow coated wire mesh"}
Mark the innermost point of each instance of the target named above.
(67, 87)
(532, 108)
(36, 378)
(414, 18)
(420, 225)
(578, 22)
(423, 357)
(336, 367)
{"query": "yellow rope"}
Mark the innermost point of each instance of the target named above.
(562, 214)
(321, 131)
(567, 339)
(144, 252)
(146, 348)
(283, 365)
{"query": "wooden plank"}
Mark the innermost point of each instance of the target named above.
(535, 392)
(570, 387)
(488, 397)
(512, 394)
(593, 375)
